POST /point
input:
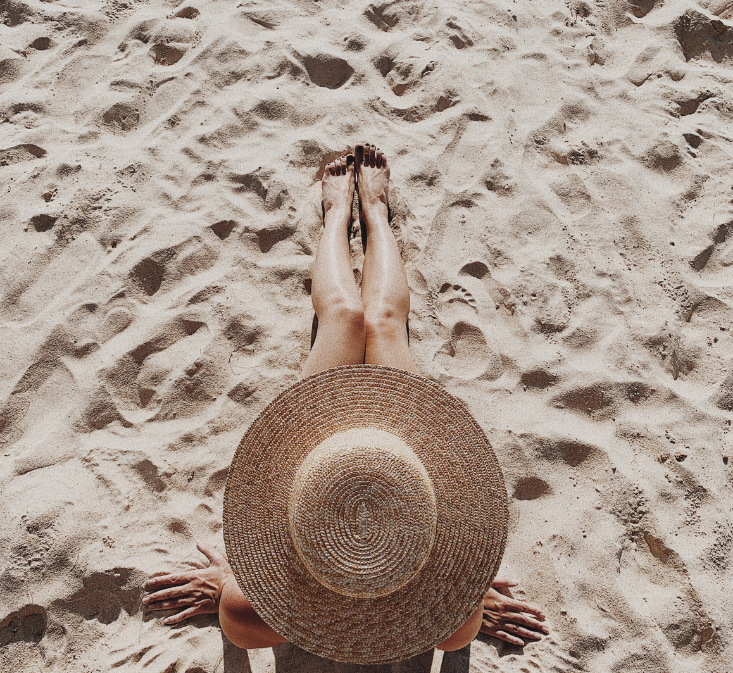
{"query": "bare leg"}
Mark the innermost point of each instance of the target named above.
(335, 296)
(385, 293)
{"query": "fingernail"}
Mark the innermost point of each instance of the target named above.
(146, 599)
(349, 159)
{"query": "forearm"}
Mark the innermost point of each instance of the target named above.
(240, 623)
(465, 633)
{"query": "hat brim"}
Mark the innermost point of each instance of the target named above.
(470, 533)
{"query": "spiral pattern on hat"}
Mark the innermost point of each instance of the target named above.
(289, 438)
(363, 518)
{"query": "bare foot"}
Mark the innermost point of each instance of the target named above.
(372, 177)
(510, 619)
(338, 186)
(197, 591)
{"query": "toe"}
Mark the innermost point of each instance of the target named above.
(329, 169)
(359, 152)
(371, 156)
(378, 158)
(349, 162)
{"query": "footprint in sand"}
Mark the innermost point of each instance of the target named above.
(43, 222)
(122, 117)
(467, 355)
(167, 54)
(325, 70)
(475, 270)
(465, 159)
(450, 293)
(105, 596)
(223, 228)
(477, 289)
(457, 34)
(169, 267)
(719, 236)
(25, 625)
(401, 75)
(187, 13)
(41, 44)
(19, 153)
(384, 16)
(531, 488)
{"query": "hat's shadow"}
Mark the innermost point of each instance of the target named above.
(291, 659)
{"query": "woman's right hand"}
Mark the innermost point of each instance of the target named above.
(197, 591)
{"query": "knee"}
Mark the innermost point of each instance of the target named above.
(348, 314)
(384, 319)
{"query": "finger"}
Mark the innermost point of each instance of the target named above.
(521, 631)
(167, 580)
(503, 583)
(167, 594)
(509, 638)
(212, 553)
(173, 604)
(520, 606)
(519, 618)
(185, 614)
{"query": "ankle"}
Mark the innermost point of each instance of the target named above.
(376, 215)
(337, 214)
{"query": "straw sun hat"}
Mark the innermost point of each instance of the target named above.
(365, 514)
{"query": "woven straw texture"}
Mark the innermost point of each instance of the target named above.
(365, 514)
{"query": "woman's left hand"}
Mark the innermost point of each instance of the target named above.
(509, 619)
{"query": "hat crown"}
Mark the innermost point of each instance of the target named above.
(362, 513)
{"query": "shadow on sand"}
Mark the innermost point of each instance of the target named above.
(291, 659)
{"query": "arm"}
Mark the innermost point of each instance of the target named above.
(208, 591)
(465, 633)
(239, 621)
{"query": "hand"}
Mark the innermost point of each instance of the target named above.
(509, 619)
(197, 590)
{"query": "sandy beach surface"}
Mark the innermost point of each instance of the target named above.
(562, 194)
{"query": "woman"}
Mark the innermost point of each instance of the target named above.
(353, 327)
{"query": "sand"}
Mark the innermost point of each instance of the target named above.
(562, 194)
